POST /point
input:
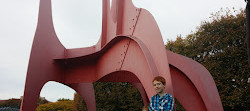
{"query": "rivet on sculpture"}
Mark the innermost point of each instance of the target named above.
(130, 49)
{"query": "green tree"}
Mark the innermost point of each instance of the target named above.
(42, 100)
(117, 97)
(79, 104)
(57, 106)
(63, 99)
(13, 103)
(219, 44)
(16, 103)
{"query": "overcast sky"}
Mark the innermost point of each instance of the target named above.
(78, 24)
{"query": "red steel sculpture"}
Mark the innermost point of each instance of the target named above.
(130, 49)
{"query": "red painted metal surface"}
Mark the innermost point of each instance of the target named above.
(130, 49)
(191, 77)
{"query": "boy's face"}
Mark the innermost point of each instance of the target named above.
(158, 86)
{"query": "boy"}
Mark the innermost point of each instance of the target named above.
(162, 101)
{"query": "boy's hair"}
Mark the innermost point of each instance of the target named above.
(159, 78)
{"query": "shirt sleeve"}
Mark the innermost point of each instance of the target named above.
(150, 108)
(151, 104)
(171, 103)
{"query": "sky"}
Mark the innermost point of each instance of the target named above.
(78, 24)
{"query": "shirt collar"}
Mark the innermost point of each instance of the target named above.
(162, 96)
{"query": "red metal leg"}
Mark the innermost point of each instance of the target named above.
(140, 88)
(31, 94)
(86, 91)
(192, 82)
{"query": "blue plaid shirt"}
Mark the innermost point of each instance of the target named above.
(164, 103)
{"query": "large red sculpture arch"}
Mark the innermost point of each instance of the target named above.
(130, 49)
